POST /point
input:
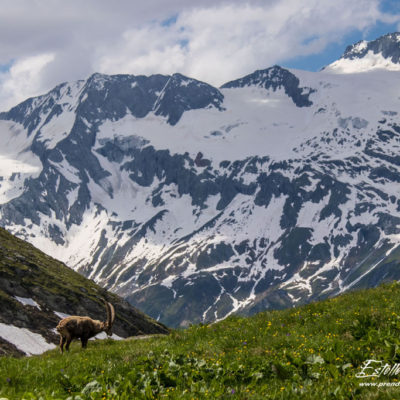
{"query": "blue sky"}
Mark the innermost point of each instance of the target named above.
(46, 42)
(334, 50)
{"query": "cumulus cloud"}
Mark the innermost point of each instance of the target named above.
(219, 43)
(23, 79)
(215, 41)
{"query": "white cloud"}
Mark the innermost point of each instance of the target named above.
(152, 49)
(23, 79)
(215, 41)
(223, 42)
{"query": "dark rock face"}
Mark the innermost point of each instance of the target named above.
(105, 97)
(111, 97)
(275, 78)
(181, 94)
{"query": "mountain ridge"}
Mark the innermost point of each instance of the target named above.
(274, 190)
(382, 53)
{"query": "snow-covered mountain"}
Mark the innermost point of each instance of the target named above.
(194, 202)
(382, 53)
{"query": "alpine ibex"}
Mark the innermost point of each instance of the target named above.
(75, 327)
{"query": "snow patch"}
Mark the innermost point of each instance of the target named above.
(61, 315)
(57, 129)
(23, 339)
(370, 61)
(103, 335)
(27, 302)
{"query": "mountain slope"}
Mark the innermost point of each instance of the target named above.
(322, 350)
(36, 291)
(194, 202)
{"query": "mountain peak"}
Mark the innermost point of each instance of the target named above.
(387, 45)
(381, 53)
(275, 78)
(181, 94)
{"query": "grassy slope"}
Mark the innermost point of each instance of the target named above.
(309, 352)
(27, 272)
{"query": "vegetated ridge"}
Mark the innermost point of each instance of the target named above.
(36, 291)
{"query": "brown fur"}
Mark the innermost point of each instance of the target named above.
(84, 328)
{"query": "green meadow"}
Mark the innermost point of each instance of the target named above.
(310, 352)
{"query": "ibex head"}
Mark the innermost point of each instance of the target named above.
(75, 327)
